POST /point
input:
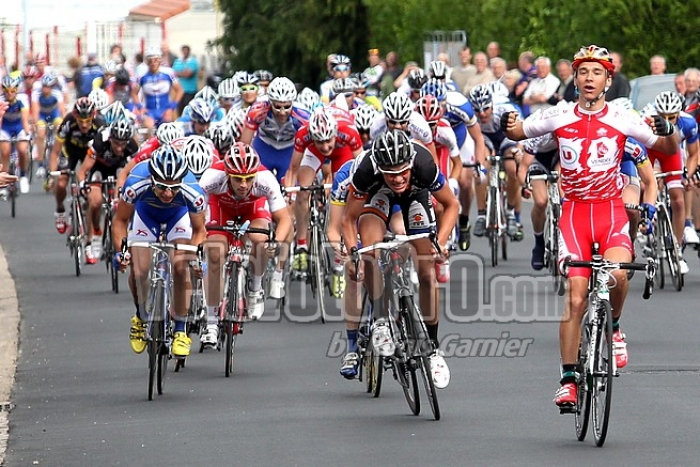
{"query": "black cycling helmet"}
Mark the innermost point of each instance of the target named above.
(122, 76)
(393, 148)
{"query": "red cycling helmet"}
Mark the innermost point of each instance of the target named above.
(241, 160)
(593, 53)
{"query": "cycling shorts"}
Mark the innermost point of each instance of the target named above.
(9, 133)
(145, 223)
(54, 118)
(338, 157)
(218, 214)
(668, 164)
(157, 115)
(417, 209)
(275, 160)
(100, 172)
(582, 224)
(69, 161)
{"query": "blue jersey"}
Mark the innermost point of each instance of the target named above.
(460, 114)
(634, 156)
(12, 120)
(156, 88)
(138, 190)
(687, 128)
(186, 119)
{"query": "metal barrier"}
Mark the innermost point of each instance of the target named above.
(437, 42)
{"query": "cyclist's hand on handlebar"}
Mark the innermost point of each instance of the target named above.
(271, 249)
(121, 261)
(525, 191)
(84, 189)
(199, 269)
(355, 267)
(646, 226)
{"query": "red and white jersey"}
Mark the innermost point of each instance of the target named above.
(445, 145)
(214, 182)
(591, 146)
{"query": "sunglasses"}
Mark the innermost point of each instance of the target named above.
(84, 120)
(341, 68)
(670, 116)
(360, 93)
(174, 188)
(228, 99)
(249, 88)
(397, 122)
(242, 178)
(281, 108)
(400, 171)
(10, 89)
(348, 94)
(482, 110)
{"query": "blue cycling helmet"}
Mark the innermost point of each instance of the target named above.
(167, 163)
(10, 82)
(434, 87)
(201, 111)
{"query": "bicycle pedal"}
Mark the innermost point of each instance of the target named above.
(567, 409)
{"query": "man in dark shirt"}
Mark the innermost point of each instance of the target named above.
(620, 86)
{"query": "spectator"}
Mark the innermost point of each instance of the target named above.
(392, 65)
(74, 66)
(657, 65)
(374, 72)
(167, 57)
(460, 74)
(443, 57)
(567, 88)
(692, 83)
(498, 67)
(140, 68)
(493, 50)
(410, 66)
(620, 87)
(482, 75)
(542, 88)
(88, 73)
(116, 54)
(526, 65)
(679, 82)
(511, 79)
(186, 69)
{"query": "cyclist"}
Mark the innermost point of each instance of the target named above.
(470, 141)
(414, 83)
(437, 69)
(364, 117)
(208, 95)
(235, 120)
(197, 117)
(48, 108)
(404, 173)
(340, 68)
(363, 86)
(15, 124)
(591, 135)
(229, 94)
(489, 113)
(200, 154)
(220, 135)
(120, 89)
(108, 153)
(73, 139)
(309, 99)
(239, 187)
(669, 105)
(343, 94)
(249, 88)
(161, 90)
(100, 98)
(264, 79)
(160, 191)
(329, 134)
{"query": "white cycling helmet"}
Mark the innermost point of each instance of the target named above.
(111, 67)
(209, 95)
(322, 125)
(281, 89)
(397, 107)
(235, 118)
(228, 89)
(308, 98)
(668, 103)
(169, 132)
(364, 116)
(438, 69)
(100, 98)
(152, 52)
(199, 153)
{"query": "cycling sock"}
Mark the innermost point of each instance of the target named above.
(539, 239)
(212, 314)
(481, 212)
(689, 222)
(22, 173)
(433, 333)
(301, 244)
(277, 275)
(463, 221)
(517, 216)
(568, 374)
(352, 340)
(377, 309)
(616, 324)
(180, 322)
(60, 209)
(255, 283)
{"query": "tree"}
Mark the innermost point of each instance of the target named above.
(292, 38)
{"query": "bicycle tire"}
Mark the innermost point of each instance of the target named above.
(162, 325)
(372, 362)
(493, 243)
(231, 318)
(492, 225)
(659, 279)
(582, 414)
(12, 189)
(76, 231)
(602, 377)
(407, 363)
(672, 259)
(317, 270)
(152, 365)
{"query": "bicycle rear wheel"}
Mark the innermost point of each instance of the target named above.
(492, 225)
(12, 189)
(603, 368)
(152, 363)
(318, 270)
(77, 233)
(583, 383)
(657, 253)
(231, 318)
(162, 323)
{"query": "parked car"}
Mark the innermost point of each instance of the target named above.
(645, 88)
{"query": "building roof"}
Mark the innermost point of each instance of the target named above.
(161, 9)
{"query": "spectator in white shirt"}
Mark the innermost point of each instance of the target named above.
(543, 87)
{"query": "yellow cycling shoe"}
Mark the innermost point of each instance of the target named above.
(338, 285)
(181, 345)
(137, 334)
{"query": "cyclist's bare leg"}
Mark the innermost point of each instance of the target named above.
(258, 254)
(513, 185)
(5, 149)
(94, 209)
(23, 153)
(216, 248)
(60, 191)
(466, 189)
(40, 139)
(539, 210)
(631, 195)
(428, 292)
(619, 285)
(677, 207)
(570, 326)
(181, 274)
(138, 277)
(372, 229)
(305, 177)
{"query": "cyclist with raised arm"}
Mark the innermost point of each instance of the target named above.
(15, 124)
(329, 135)
(108, 153)
(404, 173)
(160, 191)
(73, 139)
(591, 135)
(241, 189)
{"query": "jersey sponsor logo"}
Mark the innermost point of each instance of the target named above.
(569, 153)
(602, 154)
(142, 233)
(129, 193)
(602, 131)
(199, 201)
(179, 229)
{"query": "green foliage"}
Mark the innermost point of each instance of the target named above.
(295, 37)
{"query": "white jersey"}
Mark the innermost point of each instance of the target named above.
(418, 128)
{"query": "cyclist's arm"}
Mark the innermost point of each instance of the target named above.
(120, 223)
(524, 166)
(353, 209)
(479, 144)
(693, 151)
(177, 92)
(247, 135)
(138, 107)
(646, 174)
(515, 131)
(447, 221)
(199, 231)
(34, 109)
(25, 122)
(53, 159)
(124, 173)
(290, 178)
(283, 221)
(87, 164)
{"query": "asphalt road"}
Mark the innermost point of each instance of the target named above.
(81, 394)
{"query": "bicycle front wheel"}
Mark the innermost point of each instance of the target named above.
(672, 256)
(603, 372)
(162, 324)
(318, 270)
(406, 365)
(77, 233)
(583, 383)
(231, 323)
(422, 361)
(372, 362)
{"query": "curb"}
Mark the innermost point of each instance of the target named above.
(9, 339)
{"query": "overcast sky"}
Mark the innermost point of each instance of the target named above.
(45, 13)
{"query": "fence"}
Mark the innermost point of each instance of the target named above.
(449, 42)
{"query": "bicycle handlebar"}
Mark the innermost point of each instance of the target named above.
(240, 230)
(673, 173)
(295, 189)
(164, 246)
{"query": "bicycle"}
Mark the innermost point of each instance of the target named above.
(109, 198)
(413, 347)
(77, 235)
(159, 334)
(662, 244)
(233, 304)
(319, 265)
(596, 366)
(14, 169)
(496, 228)
(197, 310)
(551, 228)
